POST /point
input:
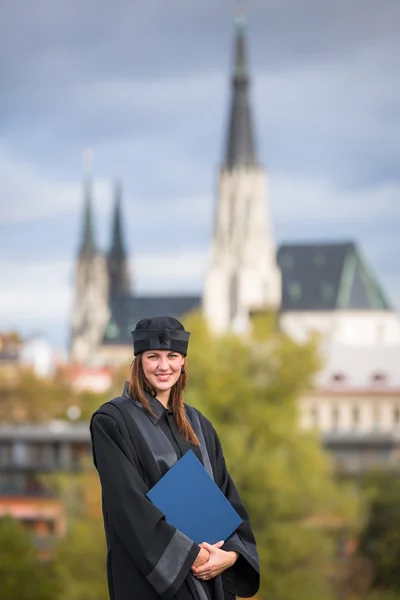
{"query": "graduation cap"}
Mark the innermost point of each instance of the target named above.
(160, 333)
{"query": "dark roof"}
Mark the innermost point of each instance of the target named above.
(54, 431)
(117, 246)
(327, 277)
(240, 147)
(117, 260)
(126, 311)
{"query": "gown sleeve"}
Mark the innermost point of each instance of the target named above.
(162, 553)
(243, 578)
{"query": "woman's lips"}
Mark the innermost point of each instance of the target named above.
(163, 376)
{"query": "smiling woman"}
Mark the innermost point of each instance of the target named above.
(137, 438)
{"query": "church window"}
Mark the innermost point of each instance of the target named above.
(294, 290)
(231, 215)
(286, 261)
(233, 296)
(247, 217)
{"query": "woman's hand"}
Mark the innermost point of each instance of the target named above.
(201, 558)
(219, 560)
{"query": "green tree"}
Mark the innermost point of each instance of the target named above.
(380, 537)
(33, 399)
(79, 560)
(249, 388)
(22, 577)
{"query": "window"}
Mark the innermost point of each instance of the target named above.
(335, 418)
(294, 290)
(379, 377)
(112, 330)
(318, 259)
(327, 291)
(231, 216)
(19, 453)
(376, 417)
(5, 455)
(355, 417)
(286, 261)
(233, 297)
(396, 416)
(338, 377)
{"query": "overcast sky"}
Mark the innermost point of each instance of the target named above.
(147, 86)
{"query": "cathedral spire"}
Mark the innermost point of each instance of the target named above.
(88, 245)
(117, 247)
(240, 148)
(117, 258)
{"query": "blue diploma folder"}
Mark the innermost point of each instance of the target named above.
(193, 503)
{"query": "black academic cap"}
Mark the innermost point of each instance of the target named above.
(160, 333)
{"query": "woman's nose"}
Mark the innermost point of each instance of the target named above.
(163, 364)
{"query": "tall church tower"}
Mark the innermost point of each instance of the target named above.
(117, 261)
(90, 310)
(243, 274)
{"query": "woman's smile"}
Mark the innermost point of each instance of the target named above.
(163, 376)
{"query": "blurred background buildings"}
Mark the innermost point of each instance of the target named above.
(325, 287)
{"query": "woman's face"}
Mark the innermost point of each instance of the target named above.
(162, 368)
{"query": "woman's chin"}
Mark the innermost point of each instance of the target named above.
(163, 386)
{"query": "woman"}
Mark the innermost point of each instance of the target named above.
(136, 438)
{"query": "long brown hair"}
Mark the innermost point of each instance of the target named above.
(138, 384)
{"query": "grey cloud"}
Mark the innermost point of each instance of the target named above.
(80, 73)
(142, 35)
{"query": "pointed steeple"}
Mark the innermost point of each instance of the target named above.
(117, 247)
(117, 257)
(88, 246)
(240, 148)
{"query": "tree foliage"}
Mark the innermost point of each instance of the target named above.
(32, 399)
(380, 537)
(22, 577)
(80, 556)
(249, 388)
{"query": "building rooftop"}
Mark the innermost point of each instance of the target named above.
(126, 311)
(327, 276)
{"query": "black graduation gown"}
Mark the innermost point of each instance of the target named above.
(148, 559)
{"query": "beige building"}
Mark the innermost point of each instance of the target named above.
(355, 407)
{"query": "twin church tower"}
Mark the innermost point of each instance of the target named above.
(242, 274)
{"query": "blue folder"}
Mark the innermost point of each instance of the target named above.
(193, 503)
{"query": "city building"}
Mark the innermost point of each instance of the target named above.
(27, 452)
